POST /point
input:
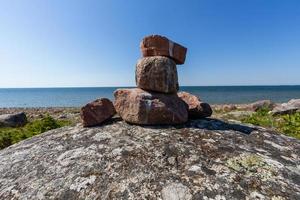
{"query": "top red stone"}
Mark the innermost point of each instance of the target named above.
(156, 45)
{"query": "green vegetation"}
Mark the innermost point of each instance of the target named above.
(287, 124)
(9, 136)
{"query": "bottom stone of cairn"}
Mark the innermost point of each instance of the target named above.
(142, 107)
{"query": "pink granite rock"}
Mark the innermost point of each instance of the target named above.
(96, 112)
(157, 73)
(156, 45)
(197, 109)
(138, 106)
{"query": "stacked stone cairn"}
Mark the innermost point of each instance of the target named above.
(156, 100)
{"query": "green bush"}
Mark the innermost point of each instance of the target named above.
(9, 136)
(260, 118)
(290, 125)
(287, 124)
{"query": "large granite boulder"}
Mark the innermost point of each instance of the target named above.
(157, 73)
(13, 120)
(196, 108)
(204, 159)
(156, 45)
(149, 108)
(96, 112)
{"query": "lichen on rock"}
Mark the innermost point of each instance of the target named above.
(251, 165)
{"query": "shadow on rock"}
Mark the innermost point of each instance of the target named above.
(108, 122)
(216, 124)
(206, 123)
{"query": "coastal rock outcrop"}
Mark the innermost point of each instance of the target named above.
(157, 73)
(156, 45)
(290, 107)
(149, 108)
(196, 108)
(283, 110)
(295, 103)
(96, 112)
(13, 120)
(203, 159)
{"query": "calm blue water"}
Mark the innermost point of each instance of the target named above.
(47, 97)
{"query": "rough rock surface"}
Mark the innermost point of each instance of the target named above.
(143, 107)
(201, 160)
(156, 45)
(13, 120)
(157, 73)
(96, 112)
(197, 109)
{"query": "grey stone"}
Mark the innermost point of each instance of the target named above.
(203, 159)
(284, 109)
(13, 120)
(295, 103)
(290, 107)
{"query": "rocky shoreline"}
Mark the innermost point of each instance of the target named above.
(67, 113)
(73, 113)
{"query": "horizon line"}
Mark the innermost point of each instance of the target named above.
(53, 87)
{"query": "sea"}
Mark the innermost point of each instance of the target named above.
(76, 97)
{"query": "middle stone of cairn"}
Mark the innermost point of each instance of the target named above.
(155, 101)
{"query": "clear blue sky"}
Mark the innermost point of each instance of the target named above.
(53, 43)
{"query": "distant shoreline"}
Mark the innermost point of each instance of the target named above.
(77, 97)
(75, 87)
